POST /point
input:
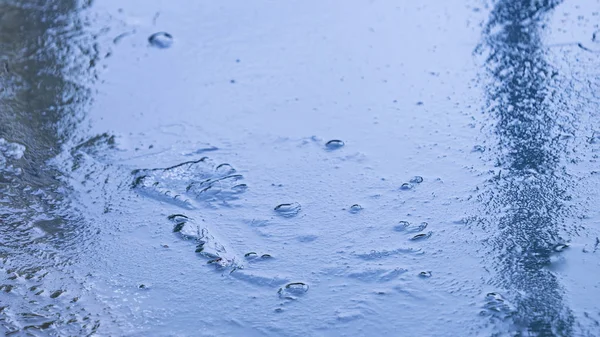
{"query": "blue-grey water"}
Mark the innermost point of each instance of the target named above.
(299, 168)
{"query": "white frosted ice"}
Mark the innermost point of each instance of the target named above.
(9, 152)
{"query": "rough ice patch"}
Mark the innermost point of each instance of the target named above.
(10, 152)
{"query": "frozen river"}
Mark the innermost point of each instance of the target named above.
(299, 168)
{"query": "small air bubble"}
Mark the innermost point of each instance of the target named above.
(425, 274)
(355, 208)
(225, 169)
(288, 210)
(406, 186)
(560, 247)
(494, 296)
(421, 236)
(334, 144)
(478, 148)
(161, 40)
(177, 217)
(402, 225)
(180, 220)
(416, 180)
(57, 293)
(293, 290)
(422, 226)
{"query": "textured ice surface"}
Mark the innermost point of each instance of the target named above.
(299, 168)
(10, 152)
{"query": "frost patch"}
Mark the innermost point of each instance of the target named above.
(10, 152)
